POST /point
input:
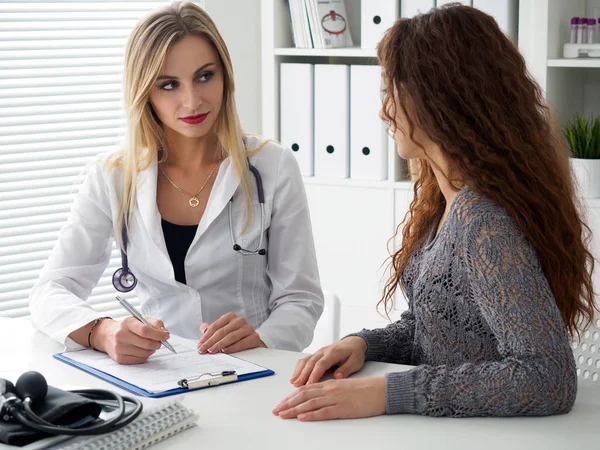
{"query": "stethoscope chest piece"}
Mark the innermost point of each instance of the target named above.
(123, 280)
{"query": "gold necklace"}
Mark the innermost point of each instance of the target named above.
(193, 201)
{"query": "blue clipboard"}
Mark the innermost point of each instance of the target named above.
(142, 392)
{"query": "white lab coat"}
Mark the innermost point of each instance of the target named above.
(279, 295)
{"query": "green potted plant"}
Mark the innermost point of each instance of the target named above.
(583, 136)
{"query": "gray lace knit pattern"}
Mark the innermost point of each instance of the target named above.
(482, 325)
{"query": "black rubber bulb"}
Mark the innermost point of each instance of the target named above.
(32, 385)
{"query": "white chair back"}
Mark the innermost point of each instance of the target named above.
(327, 330)
(587, 355)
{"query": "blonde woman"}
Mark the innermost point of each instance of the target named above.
(213, 225)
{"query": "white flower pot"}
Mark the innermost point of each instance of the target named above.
(586, 173)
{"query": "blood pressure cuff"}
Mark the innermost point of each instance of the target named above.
(60, 408)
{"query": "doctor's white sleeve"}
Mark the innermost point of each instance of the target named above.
(80, 256)
(296, 300)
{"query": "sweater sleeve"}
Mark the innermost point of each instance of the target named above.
(392, 344)
(536, 373)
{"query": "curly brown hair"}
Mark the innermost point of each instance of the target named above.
(471, 94)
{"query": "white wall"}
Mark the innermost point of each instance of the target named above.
(239, 24)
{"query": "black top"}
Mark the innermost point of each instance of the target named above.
(178, 239)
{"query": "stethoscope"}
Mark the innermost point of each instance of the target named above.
(125, 281)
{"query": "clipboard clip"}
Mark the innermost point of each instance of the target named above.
(208, 379)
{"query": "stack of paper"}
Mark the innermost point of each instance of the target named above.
(160, 374)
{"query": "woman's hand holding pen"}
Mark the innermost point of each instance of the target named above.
(229, 334)
(129, 341)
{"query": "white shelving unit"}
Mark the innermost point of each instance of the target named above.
(353, 220)
(581, 63)
(351, 52)
(571, 84)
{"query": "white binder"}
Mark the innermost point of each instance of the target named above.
(464, 2)
(296, 113)
(368, 137)
(376, 17)
(411, 8)
(332, 120)
(506, 13)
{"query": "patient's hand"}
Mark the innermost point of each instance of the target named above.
(348, 353)
(335, 399)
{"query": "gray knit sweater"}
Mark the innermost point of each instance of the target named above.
(482, 325)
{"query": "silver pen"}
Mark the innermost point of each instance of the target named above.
(125, 304)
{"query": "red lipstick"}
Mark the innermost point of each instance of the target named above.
(194, 120)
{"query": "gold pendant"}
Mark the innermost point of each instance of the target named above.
(194, 202)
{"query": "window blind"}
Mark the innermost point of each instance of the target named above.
(60, 105)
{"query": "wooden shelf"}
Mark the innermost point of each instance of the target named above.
(575, 62)
(352, 52)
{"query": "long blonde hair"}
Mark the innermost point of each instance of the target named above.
(145, 54)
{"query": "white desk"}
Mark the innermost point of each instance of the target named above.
(238, 416)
